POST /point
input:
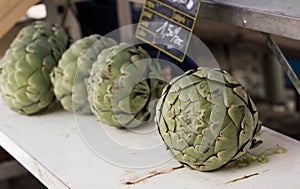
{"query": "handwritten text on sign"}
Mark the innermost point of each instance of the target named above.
(168, 25)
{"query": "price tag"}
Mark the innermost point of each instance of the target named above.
(168, 25)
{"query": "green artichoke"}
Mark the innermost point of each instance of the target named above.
(206, 119)
(120, 88)
(69, 77)
(24, 71)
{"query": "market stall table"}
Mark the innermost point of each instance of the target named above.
(52, 147)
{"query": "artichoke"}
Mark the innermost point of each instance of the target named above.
(122, 84)
(24, 71)
(206, 119)
(69, 77)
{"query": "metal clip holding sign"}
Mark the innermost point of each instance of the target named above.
(283, 61)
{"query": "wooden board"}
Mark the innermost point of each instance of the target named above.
(11, 11)
(61, 150)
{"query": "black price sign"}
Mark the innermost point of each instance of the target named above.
(168, 25)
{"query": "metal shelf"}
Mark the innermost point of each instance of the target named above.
(274, 17)
(271, 17)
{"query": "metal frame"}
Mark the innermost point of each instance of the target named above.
(274, 17)
(278, 18)
(283, 61)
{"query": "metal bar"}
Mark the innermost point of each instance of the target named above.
(125, 19)
(273, 79)
(252, 19)
(273, 17)
(283, 61)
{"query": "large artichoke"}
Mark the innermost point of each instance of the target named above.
(69, 77)
(206, 119)
(24, 70)
(120, 88)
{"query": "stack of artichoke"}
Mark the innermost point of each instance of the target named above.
(69, 77)
(24, 71)
(206, 119)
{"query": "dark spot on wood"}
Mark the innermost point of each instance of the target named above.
(153, 174)
(242, 178)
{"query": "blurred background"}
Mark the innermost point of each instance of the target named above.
(241, 52)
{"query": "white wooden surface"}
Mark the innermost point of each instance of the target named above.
(51, 147)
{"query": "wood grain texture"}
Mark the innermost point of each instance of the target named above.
(11, 11)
